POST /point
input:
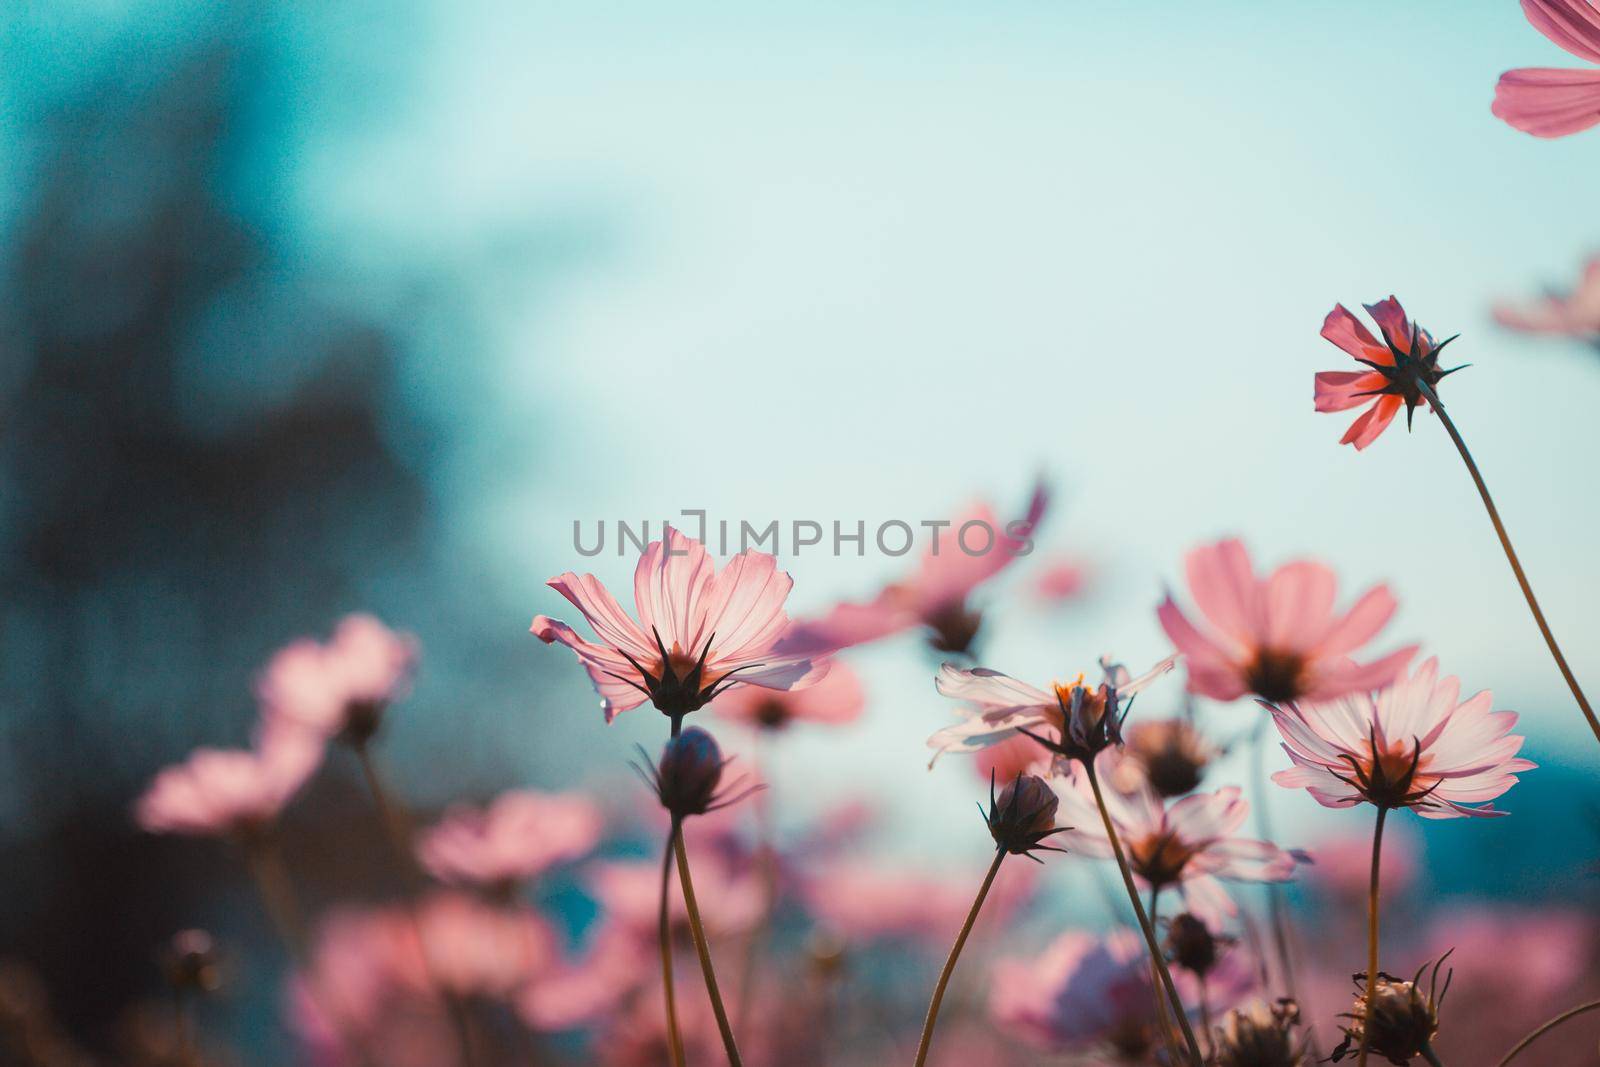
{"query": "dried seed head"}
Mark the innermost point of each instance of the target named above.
(1404, 1018)
(1023, 815)
(1263, 1035)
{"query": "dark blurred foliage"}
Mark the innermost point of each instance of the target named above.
(205, 449)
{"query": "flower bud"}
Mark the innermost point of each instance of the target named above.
(1191, 944)
(1404, 1019)
(689, 773)
(1261, 1036)
(1023, 815)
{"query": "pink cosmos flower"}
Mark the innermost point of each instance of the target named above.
(1084, 994)
(1548, 101)
(1413, 745)
(342, 688)
(998, 707)
(232, 791)
(1403, 369)
(1187, 845)
(835, 700)
(699, 632)
(516, 838)
(1573, 314)
(1278, 637)
(937, 595)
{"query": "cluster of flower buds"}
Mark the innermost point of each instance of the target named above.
(688, 778)
(1403, 1019)
(1023, 815)
(1263, 1035)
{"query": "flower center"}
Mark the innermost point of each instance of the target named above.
(1276, 676)
(1160, 858)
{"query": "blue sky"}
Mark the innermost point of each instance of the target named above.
(871, 260)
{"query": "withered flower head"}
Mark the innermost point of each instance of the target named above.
(192, 962)
(1262, 1036)
(1404, 1020)
(1191, 944)
(1023, 816)
(1171, 753)
(687, 779)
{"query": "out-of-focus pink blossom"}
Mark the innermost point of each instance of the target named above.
(699, 632)
(516, 838)
(1572, 314)
(1016, 755)
(1414, 745)
(1060, 580)
(998, 706)
(730, 893)
(936, 596)
(1278, 637)
(1083, 994)
(1553, 101)
(1343, 864)
(343, 687)
(865, 901)
(477, 949)
(1187, 845)
(614, 966)
(230, 791)
(835, 700)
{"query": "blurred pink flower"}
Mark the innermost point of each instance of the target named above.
(997, 706)
(1573, 314)
(1005, 760)
(1187, 845)
(936, 595)
(835, 700)
(375, 976)
(1060, 580)
(730, 892)
(699, 632)
(579, 992)
(230, 791)
(1083, 994)
(1403, 368)
(1552, 101)
(342, 688)
(1279, 636)
(867, 901)
(1342, 864)
(1412, 746)
(516, 838)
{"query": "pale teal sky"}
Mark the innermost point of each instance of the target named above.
(868, 260)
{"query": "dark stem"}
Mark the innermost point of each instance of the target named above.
(767, 869)
(1205, 1018)
(955, 954)
(1163, 1010)
(1429, 1055)
(1372, 934)
(1516, 565)
(1144, 920)
(704, 951)
(664, 932)
(1570, 1013)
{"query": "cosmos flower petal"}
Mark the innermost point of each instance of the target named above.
(1573, 25)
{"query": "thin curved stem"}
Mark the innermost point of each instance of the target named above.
(1372, 934)
(766, 860)
(1429, 1055)
(1275, 900)
(664, 932)
(1163, 1009)
(1516, 565)
(1570, 1013)
(1144, 920)
(955, 954)
(704, 951)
